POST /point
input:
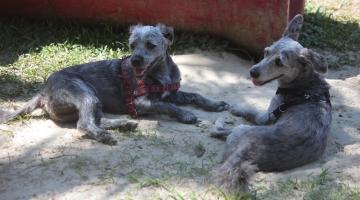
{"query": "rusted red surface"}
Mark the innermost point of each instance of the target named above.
(250, 23)
(296, 7)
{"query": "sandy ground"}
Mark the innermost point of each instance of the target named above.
(165, 159)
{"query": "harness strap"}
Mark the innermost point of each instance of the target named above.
(302, 98)
(129, 100)
(140, 89)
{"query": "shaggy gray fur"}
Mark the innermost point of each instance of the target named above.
(298, 136)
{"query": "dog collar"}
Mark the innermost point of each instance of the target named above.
(297, 97)
(127, 75)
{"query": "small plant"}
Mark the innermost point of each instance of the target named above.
(78, 164)
(199, 150)
(7, 132)
(150, 182)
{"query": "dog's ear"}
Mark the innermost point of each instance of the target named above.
(293, 28)
(313, 59)
(167, 32)
(133, 27)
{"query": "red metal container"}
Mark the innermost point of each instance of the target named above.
(252, 24)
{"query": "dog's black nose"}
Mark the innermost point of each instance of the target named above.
(137, 60)
(254, 73)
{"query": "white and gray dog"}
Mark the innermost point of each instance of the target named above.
(294, 130)
(145, 82)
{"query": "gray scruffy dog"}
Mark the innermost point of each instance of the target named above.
(294, 130)
(81, 93)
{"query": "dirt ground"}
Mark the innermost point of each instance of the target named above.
(164, 159)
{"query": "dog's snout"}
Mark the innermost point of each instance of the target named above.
(254, 73)
(137, 60)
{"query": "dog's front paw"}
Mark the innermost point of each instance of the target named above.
(106, 138)
(218, 106)
(187, 117)
(131, 125)
(237, 110)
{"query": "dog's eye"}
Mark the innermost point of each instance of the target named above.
(278, 62)
(132, 45)
(150, 45)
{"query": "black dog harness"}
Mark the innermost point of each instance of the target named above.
(296, 97)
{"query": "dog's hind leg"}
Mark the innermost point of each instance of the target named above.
(66, 98)
(89, 120)
(180, 97)
(243, 147)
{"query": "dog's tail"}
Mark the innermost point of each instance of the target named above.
(233, 175)
(219, 131)
(31, 105)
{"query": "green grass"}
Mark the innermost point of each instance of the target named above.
(331, 28)
(316, 187)
(323, 30)
(7, 132)
(199, 150)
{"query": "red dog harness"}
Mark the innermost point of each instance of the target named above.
(141, 87)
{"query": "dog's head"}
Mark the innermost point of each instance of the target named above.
(287, 60)
(149, 45)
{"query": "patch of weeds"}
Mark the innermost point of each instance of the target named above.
(320, 187)
(175, 195)
(211, 156)
(7, 132)
(151, 182)
(199, 150)
(322, 30)
(199, 171)
(337, 192)
(132, 159)
(337, 34)
(317, 187)
(138, 176)
(61, 172)
(135, 175)
(78, 165)
(221, 194)
(128, 162)
(182, 169)
(193, 196)
(23, 119)
(189, 170)
(108, 176)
